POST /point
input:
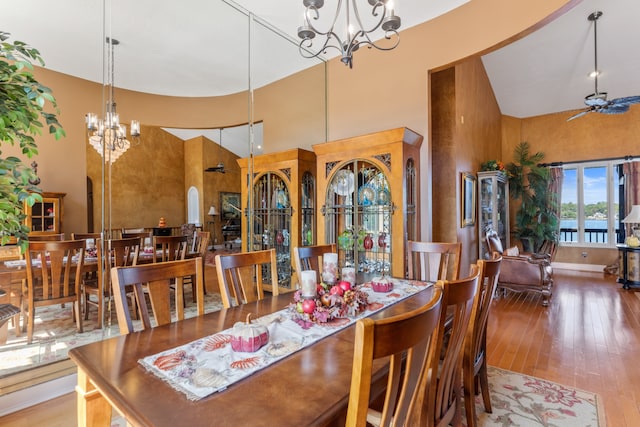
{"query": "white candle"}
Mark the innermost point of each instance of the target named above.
(330, 268)
(308, 283)
(349, 275)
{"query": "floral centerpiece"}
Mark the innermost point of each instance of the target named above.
(330, 303)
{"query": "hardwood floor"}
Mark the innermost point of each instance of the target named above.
(588, 338)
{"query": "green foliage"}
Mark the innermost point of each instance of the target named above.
(569, 210)
(529, 183)
(22, 102)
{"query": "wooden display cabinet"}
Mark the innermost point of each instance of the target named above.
(368, 194)
(493, 206)
(45, 217)
(282, 212)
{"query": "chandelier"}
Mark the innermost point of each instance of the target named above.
(109, 137)
(356, 34)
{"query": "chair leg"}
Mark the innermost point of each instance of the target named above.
(484, 386)
(30, 323)
(78, 314)
(469, 397)
(4, 331)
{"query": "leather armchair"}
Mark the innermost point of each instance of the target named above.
(523, 272)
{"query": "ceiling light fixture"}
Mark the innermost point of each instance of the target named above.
(356, 34)
(109, 137)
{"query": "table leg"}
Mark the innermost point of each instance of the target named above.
(93, 409)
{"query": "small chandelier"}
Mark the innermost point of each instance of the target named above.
(356, 33)
(109, 137)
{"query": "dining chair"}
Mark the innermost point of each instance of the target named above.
(54, 281)
(474, 363)
(200, 242)
(169, 248)
(89, 237)
(431, 261)
(309, 258)
(118, 253)
(240, 276)
(144, 236)
(46, 237)
(90, 251)
(157, 278)
(198, 248)
(405, 341)
(440, 399)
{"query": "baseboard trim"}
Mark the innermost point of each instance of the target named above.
(579, 267)
(21, 399)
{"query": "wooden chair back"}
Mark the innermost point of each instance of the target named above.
(310, 258)
(200, 242)
(46, 237)
(406, 340)
(117, 253)
(144, 236)
(431, 261)
(86, 236)
(442, 392)
(157, 278)
(240, 276)
(474, 365)
(52, 278)
(171, 248)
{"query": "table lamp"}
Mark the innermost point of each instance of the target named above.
(212, 213)
(633, 218)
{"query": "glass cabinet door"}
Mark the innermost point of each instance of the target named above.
(358, 212)
(272, 223)
(308, 209)
(494, 209)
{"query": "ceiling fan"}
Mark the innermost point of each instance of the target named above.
(220, 167)
(597, 102)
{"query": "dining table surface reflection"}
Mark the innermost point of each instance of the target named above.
(309, 387)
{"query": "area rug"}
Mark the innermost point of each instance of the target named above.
(525, 401)
(522, 400)
(55, 334)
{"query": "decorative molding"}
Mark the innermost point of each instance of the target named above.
(287, 173)
(384, 158)
(329, 167)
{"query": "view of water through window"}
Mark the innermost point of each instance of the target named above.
(586, 194)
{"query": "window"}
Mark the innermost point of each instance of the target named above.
(589, 205)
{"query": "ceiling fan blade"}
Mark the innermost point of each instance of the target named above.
(219, 169)
(614, 109)
(627, 100)
(579, 114)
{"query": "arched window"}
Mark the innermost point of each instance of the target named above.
(193, 206)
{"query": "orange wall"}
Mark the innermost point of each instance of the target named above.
(466, 131)
(590, 137)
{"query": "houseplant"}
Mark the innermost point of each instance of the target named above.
(22, 102)
(535, 219)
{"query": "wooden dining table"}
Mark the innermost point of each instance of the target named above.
(307, 388)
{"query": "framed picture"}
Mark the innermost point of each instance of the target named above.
(230, 205)
(468, 207)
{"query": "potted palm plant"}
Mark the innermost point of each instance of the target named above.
(535, 222)
(22, 102)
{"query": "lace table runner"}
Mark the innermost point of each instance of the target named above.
(209, 365)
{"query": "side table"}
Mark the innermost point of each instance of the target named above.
(629, 266)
